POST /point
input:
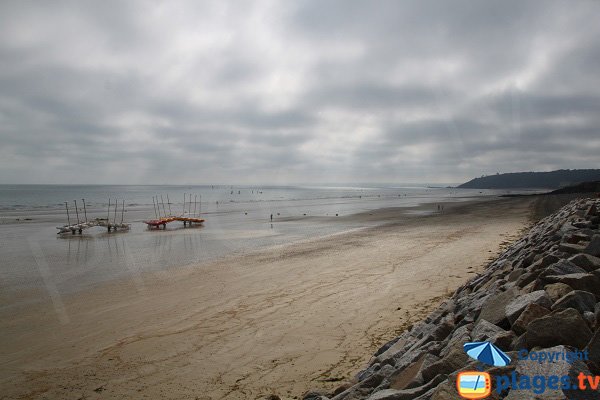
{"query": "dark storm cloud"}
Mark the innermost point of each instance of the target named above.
(308, 91)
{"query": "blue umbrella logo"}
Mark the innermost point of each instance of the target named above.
(487, 353)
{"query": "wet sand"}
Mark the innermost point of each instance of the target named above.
(281, 320)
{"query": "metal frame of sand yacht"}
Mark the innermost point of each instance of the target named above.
(187, 217)
(80, 226)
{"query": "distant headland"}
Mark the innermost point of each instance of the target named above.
(549, 180)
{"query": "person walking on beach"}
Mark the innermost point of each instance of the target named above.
(271, 217)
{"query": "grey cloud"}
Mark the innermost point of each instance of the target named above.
(305, 91)
(374, 96)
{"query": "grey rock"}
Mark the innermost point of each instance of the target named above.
(565, 228)
(386, 370)
(389, 344)
(516, 306)
(527, 256)
(519, 343)
(471, 304)
(582, 224)
(442, 329)
(454, 360)
(489, 286)
(459, 336)
(571, 248)
(493, 309)
(446, 390)
(485, 330)
(405, 358)
(368, 372)
(407, 394)
(315, 395)
(593, 348)
(565, 327)
(504, 340)
(590, 318)
(576, 237)
(387, 394)
(563, 267)
(587, 282)
(425, 396)
(586, 261)
(537, 284)
(514, 275)
(526, 279)
(397, 346)
(593, 247)
(577, 299)
(440, 313)
(532, 312)
(557, 290)
(353, 393)
(411, 376)
(544, 262)
(342, 388)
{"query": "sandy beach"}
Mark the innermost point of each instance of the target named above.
(280, 320)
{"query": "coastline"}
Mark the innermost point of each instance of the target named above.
(539, 297)
(281, 320)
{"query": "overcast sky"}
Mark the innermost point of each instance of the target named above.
(296, 91)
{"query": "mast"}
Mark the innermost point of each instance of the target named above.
(68, 217)
(84, 209)
(76, 212)
(169, 204)
(163, 204)
(115, 217)
(108, 215)
(122, 211)
(195, 198)
(183, 215)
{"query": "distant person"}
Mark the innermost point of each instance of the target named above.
(271, 217)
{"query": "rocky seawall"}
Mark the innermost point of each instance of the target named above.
(541, 296)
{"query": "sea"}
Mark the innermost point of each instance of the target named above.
(37, 262)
